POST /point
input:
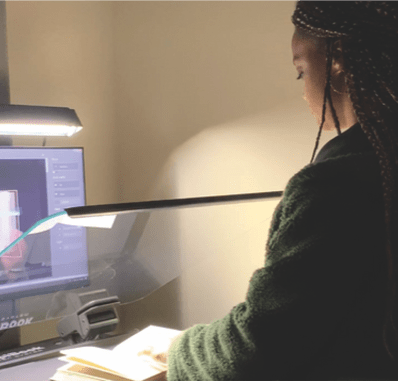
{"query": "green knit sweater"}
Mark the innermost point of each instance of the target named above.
(314, 311)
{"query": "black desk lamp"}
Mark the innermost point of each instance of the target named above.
(28, 120)
(43, 121)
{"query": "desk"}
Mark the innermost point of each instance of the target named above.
(43, 369)
(40, 370)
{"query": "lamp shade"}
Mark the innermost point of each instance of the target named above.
(38, 121)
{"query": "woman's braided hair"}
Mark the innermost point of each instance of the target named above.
(368, 32)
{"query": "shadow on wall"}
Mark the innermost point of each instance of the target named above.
(254, 154)
(220, 247)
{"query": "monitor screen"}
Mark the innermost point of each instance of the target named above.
(36, 182)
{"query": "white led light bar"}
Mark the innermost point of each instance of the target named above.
(38, 121)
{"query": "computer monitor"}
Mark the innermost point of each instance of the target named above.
(36, 182)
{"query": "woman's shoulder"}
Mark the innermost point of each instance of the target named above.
(344, 174)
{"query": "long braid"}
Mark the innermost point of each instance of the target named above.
(372, 81)
(335, 119)
(327, 91)
(380, 148)
(327, 97)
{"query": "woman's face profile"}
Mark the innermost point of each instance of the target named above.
(309, 58)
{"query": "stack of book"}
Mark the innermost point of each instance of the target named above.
(132, 360)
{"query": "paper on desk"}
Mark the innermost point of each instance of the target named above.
(124, 359)
(157, 337)
(81, 372)
(124, 364)
(104, 222)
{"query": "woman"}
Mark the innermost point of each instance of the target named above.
(322, 306)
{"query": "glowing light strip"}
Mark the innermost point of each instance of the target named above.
(38, 129)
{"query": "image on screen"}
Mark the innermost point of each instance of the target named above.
(35, 183)
(9, 217)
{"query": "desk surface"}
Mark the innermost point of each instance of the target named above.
(43, 369)
(40, 370)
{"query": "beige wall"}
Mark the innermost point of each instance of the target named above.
(226, 245)
(177, 99)
(145, 77)
(187, 66)
(62, 54)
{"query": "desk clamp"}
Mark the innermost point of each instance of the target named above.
(94, 318)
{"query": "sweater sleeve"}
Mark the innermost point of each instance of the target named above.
(316, 260)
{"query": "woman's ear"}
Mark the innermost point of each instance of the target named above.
(338, 61)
